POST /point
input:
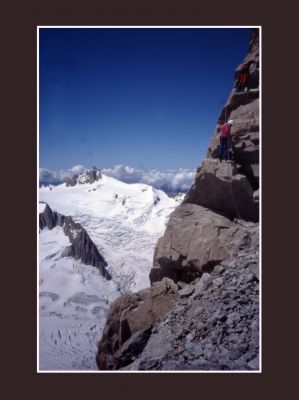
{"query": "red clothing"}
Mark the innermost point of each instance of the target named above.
(225, 130)
(243, 78)
(244, 74)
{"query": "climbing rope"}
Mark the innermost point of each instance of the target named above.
(230, 183)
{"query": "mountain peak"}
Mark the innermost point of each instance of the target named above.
(90, 176)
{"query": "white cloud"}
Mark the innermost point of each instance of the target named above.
(55, 177)
(78, 169)
(169, 180)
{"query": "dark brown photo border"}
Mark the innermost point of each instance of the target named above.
(19, 30)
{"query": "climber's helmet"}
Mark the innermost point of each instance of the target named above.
(230, 122)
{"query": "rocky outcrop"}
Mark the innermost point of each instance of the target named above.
(211, 323)
(243, 109)
(196, 239)
(47, 218)
(82, 247)
(90, 176)
(228, 190)
(220, 187)
(253, 57)
(209, 258)
(214, 325)
(129, 323)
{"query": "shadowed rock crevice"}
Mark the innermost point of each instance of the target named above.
(125, 331)
(129, 323)
(133, 347)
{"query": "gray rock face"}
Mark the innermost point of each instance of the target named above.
(209, 251)
(129, 323)
(243, 109)
(89, 176)
(217, 328)
(196, 239)
(253, 56)
(72, 180)
(210, 324)
(48, 218)
(220, 187)
(82, 247)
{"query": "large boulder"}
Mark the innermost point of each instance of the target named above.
(196, 239)
(129, 323)
(220, 187)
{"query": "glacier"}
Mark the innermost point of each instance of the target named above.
(124, 221)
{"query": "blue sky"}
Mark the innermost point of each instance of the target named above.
(147, 98)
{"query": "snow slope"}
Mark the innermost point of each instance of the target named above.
(73, 302)
(124, 221)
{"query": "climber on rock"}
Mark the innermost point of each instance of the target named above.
(242, 82)
(225, 140)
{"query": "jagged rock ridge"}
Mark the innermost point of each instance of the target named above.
(89, 176)
(210, 254)
(82, 247)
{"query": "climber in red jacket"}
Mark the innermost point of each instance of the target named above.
(243, 77)
(225, 139)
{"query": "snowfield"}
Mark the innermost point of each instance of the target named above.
(73, 302)
(124, 221)
(42, 207)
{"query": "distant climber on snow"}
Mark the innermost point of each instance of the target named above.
(225, 140)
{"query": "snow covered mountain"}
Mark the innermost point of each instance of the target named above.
(124, 221)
